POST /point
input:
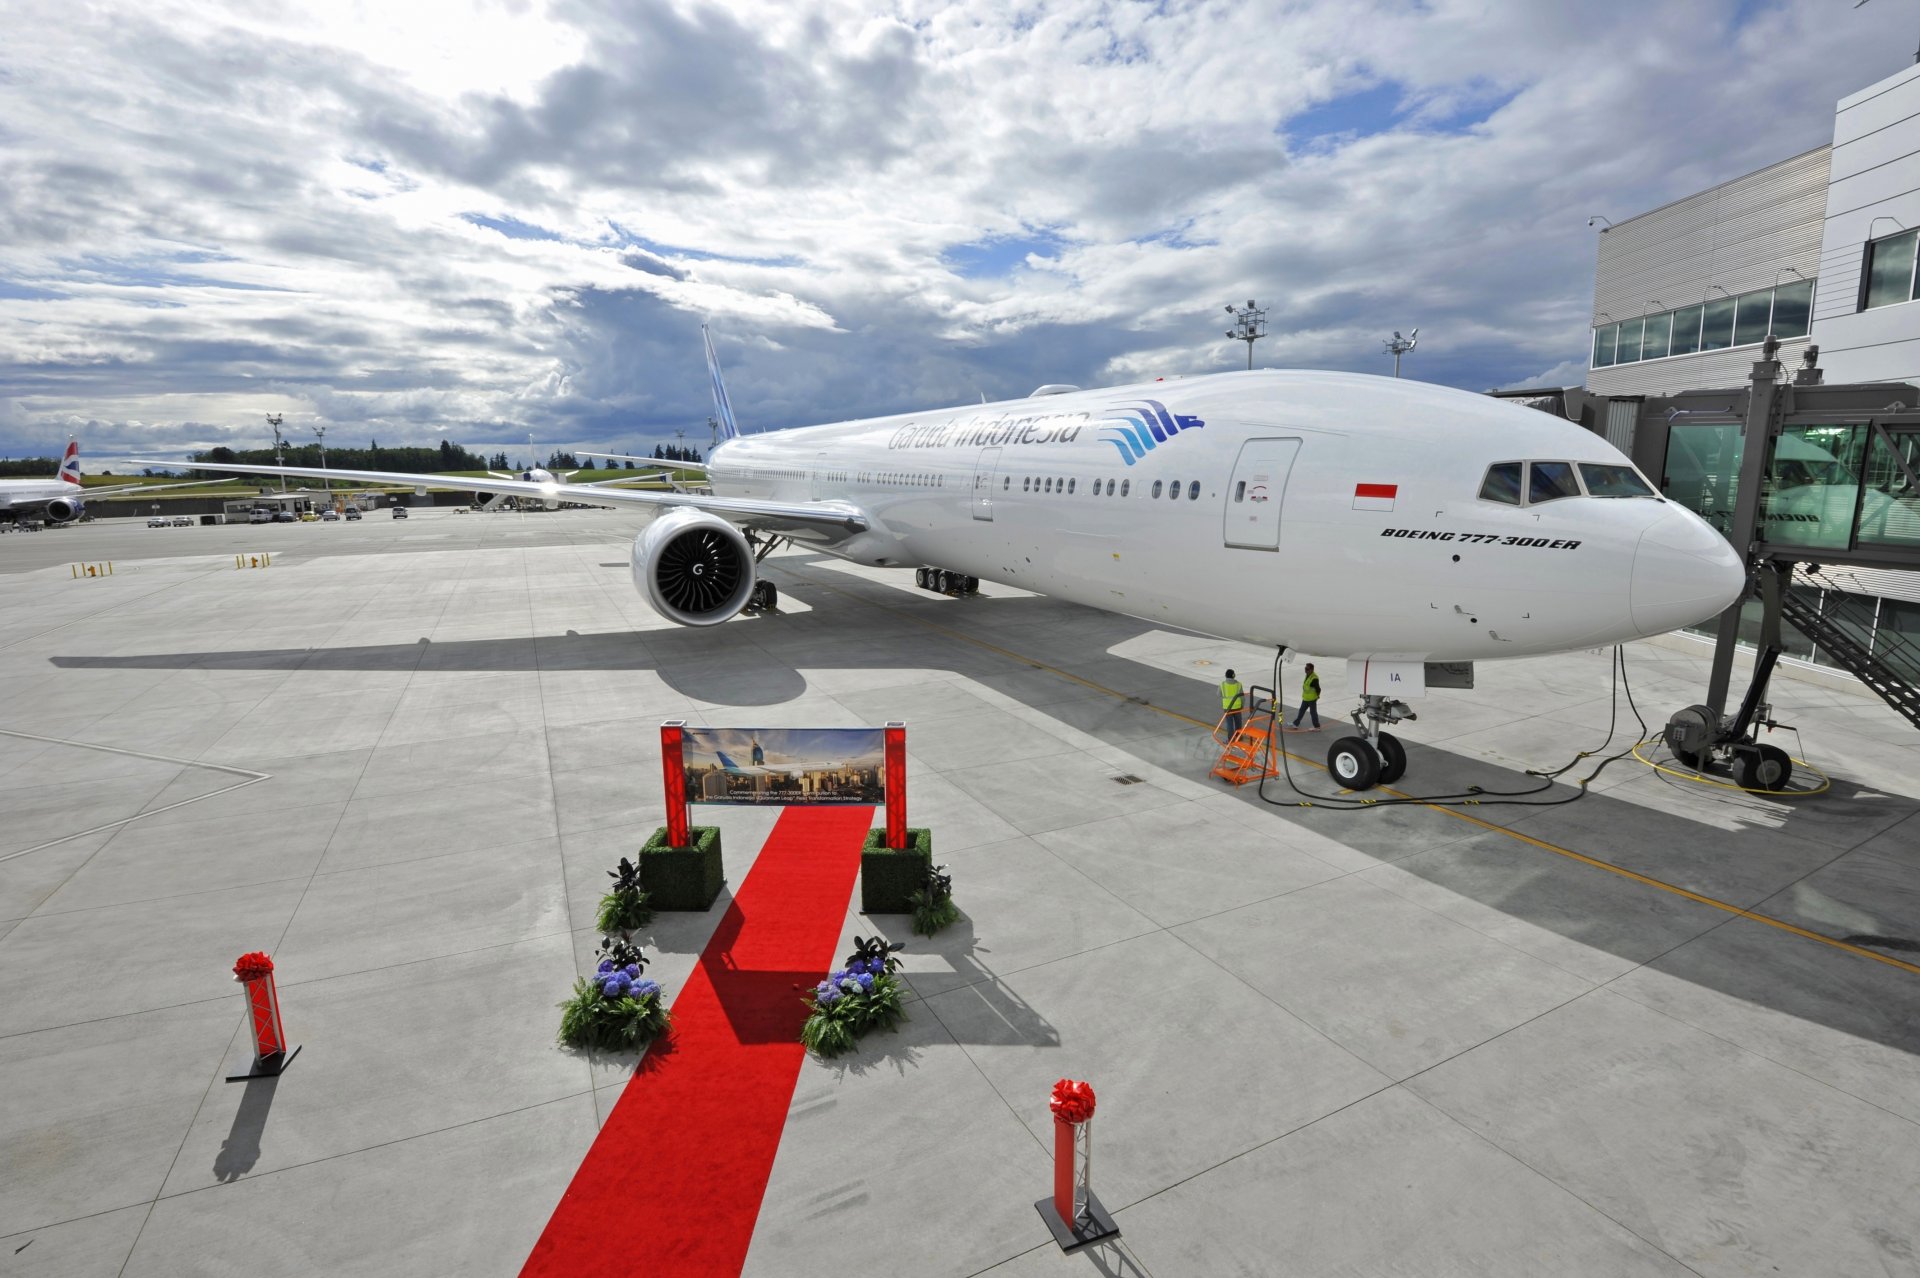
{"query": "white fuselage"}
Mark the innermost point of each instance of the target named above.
(36, 494)
(1338, 514)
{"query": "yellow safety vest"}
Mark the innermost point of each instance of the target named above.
(1230, 695)
(1310, 688)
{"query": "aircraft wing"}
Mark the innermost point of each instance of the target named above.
(653, 462)
(816, 521)
(122, 490)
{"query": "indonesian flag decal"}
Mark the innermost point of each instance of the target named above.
(1374, 496)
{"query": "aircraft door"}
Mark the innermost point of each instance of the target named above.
(984, 469)
(822, 487)
(1255, 493)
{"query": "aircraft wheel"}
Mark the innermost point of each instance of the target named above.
(942, 581)
(1393, 759)
(1767, 768)
(973, 585)
(1353, 763)
(920, 578)
(763, 596)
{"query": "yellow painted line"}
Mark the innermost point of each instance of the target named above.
(1645, 879)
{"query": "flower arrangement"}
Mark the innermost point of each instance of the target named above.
(616, 1007)
(252, 966)
(933, 906)
(624, 909)
(853, 1000)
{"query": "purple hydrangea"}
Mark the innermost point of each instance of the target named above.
(645, 986)
(606, 965)
(617, 985)
(632, 970)
(866, 981)
(826, 995)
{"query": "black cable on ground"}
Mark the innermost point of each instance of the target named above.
(1473, 796)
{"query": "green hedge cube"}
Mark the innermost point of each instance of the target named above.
(682, 878)
(888, 878)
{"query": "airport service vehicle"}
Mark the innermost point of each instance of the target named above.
(62, 499)
(260, 515)
(1390, 522)
(159, 521)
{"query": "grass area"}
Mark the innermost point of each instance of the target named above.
(248, 486)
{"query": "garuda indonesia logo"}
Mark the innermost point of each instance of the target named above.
(1137, 429)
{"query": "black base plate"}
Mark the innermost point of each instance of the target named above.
(1099, 1226)
(271, 1067)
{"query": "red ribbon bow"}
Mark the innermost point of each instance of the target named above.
(1072, 1101)
(253, 966)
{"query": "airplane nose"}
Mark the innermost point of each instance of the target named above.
(1683, 572)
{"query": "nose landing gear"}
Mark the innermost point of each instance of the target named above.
(1374, 757)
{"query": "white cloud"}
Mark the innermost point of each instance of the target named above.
(216, 211)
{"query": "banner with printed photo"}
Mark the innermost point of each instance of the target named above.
(785, 765)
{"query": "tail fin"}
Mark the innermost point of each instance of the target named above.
(727, 763)
(70, 464)
(722, 407)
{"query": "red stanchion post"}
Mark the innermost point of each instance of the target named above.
(897, 785)
(1073, 1214)
(673, 770)
(254, 971)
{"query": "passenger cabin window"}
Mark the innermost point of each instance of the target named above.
(1125, 484)
(1157, 486)
(1109, 488)
(1550, 481)
(1613, 481)
(1240, 490)
(1502, 483)
(1193, 491)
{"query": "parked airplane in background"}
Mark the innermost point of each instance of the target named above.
(62, 499)
(1391, 522)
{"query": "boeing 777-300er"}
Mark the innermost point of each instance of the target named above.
(62, 500)
(1390, 522)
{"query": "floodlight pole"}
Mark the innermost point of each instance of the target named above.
(320, 433)
(1400, 346)
(1249, 326)
(279, 446)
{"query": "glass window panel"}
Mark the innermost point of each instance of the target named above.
(1157, 486)
(1653, 341)
(1551, 481)
(1897, 640)
(1502, 484)
(1702, 471)
(1890, 270)
(1627, 348)
(1753, 312)
(1603, 344)
(1811, 489)
(1686, 331)
(1793, 309)
(1193, 490)
(1613, 481)
(1716, 324)
(1890, 508)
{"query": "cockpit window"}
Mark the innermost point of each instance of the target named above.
(1550, 482)
(1503, 483)
(1613, 481)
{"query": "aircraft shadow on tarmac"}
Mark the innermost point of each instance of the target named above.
(1787, 860)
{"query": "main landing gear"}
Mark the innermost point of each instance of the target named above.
(1374, 757)
(942, 582)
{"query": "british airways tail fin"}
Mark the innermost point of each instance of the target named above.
(70, 464)
(722, 407)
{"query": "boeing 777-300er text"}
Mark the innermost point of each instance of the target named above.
(62, 500)
(1390, 522)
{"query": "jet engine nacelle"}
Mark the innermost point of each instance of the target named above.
(62, 511)
(695, 569)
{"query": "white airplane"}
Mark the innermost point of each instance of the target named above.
(1391, 522)
(62, 499)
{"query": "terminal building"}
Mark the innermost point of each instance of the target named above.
(1819, 251)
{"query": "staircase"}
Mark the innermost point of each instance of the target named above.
(1842, 628)
(1246, 757)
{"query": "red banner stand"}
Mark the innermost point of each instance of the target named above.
(673, 774)
(270, 1055)
(1073, 1214)
(896, 763)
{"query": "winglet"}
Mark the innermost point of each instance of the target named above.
(722, 407)
(70, 464)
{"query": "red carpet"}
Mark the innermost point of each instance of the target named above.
(673, 1182)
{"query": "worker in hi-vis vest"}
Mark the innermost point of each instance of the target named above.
(1232, 700)
(1309, 698)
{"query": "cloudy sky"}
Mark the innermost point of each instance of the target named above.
(477, 220)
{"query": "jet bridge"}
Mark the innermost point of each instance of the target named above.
(1797, 474)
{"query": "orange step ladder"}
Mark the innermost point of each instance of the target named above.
(1248, 756)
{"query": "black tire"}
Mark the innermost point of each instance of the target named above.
(942, 581)
(920, 579)
(1353, 763)
(973, 585)
(1393, 759)
(1764, 768)
(1686, 758)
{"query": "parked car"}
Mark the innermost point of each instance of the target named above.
(309, 517)
(329, 516)
(353, 512)
(184, 521)
(284, 517)
(399, 512)
(260, 515)
(159, 521)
